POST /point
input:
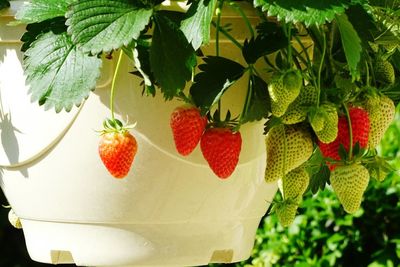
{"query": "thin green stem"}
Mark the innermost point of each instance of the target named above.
(269, 63)
(218, 26)
(350, 131)
(227, 35)
(248, 94)
(290, 54)
(113, 84)
(244, 17)
(367, 71)
(321, 66)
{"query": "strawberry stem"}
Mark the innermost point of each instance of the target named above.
(113, 84)
(248, 95)
(320, 67)
(227, 35)
(350, 131)
(290, 53)
(244, 17)
(218, 26)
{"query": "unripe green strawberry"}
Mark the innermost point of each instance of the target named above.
(349, 183)
(317, 121)
(14, 219)
(283, 90)
(288, 147)
(297, 111)
(329, 131)
(292, 82)
(381, 111)
(384, 71)
(295, 183)
(286, 212)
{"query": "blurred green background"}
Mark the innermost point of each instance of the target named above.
(322, 235)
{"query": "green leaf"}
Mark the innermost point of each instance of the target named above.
(363, 23)
(55, 25)
(172, 58)
(60, 75)
(318, 180)
(196, 25)
(342, 152)
(306, 11)
(257, 47)
(260, 103)
(217, 75)
(105, 25)
(271, 123)
(40, 10)
(351, 44)
(141, 57)
(4, 4)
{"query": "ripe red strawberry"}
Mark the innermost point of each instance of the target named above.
(117, 150)
(360, 125)
(187, 126)
(221, 148)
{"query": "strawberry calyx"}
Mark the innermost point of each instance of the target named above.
(215, 121)
(115, 126)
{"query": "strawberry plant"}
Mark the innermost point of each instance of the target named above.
(325, 105)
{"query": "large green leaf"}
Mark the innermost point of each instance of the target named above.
(217, 75)
(60, 75)
(363, 23)
(260, 46)
(172, 58)
(351, 44)
(40, 10)
(104, 25)
(306, 11)
(196, 25)
(4, 4)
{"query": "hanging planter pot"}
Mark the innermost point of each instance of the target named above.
(169, 210)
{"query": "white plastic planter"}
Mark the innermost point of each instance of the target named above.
(170, 210)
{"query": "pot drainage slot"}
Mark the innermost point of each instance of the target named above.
(61, 256)
(222, 256)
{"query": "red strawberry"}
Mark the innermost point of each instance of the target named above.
(117, 149)
(187, 126)
(221, 148)
(360, 125)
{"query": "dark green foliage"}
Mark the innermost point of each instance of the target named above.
(4, 4)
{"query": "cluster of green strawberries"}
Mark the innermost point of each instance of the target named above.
(344, 133)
